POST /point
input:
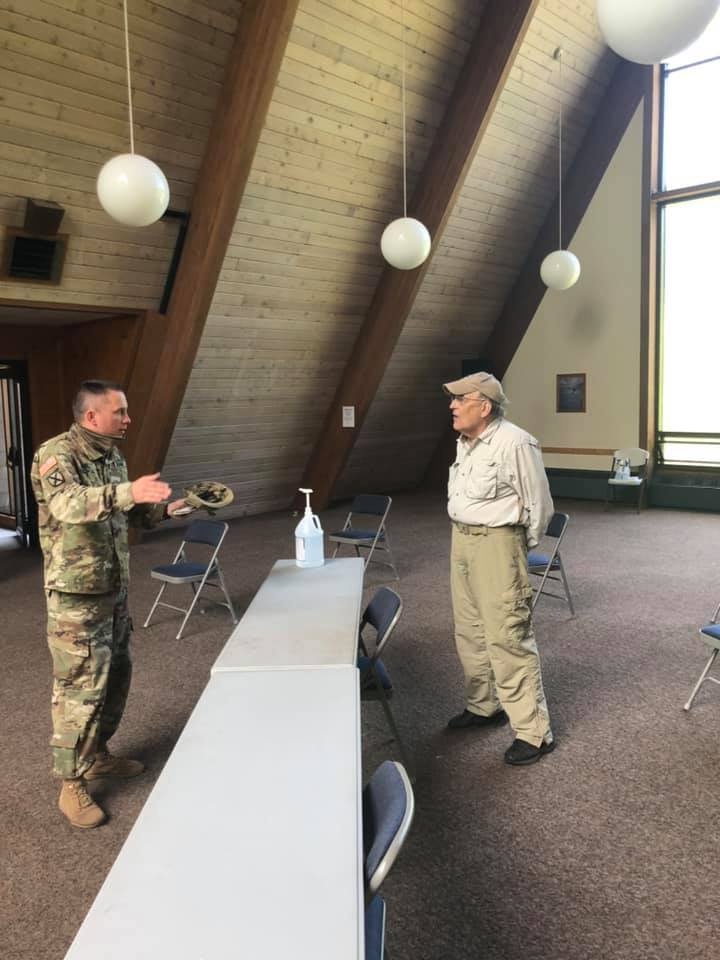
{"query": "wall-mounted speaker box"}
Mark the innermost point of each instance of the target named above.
(43, 217)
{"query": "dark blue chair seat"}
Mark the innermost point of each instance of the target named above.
(356, 535)
(542, 560)
(183, 571)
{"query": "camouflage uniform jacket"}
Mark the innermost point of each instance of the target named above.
(84, 497)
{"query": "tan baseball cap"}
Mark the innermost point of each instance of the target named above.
(484, 383)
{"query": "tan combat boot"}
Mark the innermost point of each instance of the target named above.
(78, 806)
(106, 765)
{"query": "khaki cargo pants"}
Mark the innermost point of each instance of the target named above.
(491, 599)
(89, 640)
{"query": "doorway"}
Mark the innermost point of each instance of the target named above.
(16, 501)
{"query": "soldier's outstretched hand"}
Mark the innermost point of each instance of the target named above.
(150, 489)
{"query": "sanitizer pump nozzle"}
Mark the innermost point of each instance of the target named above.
(309, 549)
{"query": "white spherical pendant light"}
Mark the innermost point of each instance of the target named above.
(405, 243)
(560, 270)
(133, 190)
(650, 31)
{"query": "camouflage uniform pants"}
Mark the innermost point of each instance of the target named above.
(89, 640)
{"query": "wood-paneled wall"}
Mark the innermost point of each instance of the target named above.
(63, 113)
(40, 348)
(304, 260)
(59, 357)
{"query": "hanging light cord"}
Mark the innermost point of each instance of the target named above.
(558, 57)
(404, 133)
(129, 85)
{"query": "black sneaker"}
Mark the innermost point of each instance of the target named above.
(520, 753)
(466, 719)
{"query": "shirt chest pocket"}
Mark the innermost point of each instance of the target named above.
(482, 480)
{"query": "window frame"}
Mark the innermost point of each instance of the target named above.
(658, 200)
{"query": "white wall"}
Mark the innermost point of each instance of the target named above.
(593, 328)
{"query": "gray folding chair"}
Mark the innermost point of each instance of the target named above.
(710, 634)
(366, 529)
(382, 614)
(388, 806)
(197, 575)
(549, 566)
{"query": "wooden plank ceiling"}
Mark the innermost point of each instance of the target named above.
(303, 262)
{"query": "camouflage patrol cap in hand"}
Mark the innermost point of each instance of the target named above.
(208, 495)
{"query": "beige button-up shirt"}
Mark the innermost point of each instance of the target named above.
(498, 479)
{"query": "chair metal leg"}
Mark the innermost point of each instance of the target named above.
(700, 682)
(567, 589)
(196, 595)
(391, 558)
(154, 606)
(393, 726)
(227, 595)
(539, 590)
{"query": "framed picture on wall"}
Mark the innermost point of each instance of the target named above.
(571, 393)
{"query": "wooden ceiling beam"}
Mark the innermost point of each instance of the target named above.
(250, 77)
(499, 35)
(580, 183)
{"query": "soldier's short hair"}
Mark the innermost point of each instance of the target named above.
(92, 388)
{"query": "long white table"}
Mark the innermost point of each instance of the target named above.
(299, 618)
(250, 845)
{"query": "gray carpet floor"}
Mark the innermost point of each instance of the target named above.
(606, 850)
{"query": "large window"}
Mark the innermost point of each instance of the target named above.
(689, 208)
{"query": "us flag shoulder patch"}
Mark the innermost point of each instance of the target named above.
(47, 466)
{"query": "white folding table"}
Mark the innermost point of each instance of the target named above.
(300, 617)
(249, 846)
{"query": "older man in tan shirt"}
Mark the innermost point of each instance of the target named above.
(500, 505)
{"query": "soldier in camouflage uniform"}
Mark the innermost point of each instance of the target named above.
(85, 502)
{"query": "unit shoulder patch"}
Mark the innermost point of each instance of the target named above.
(47, 465)
(56, 479)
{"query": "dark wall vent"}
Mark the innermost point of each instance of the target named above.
(31, 258)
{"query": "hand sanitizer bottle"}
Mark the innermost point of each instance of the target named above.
(309, 548)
